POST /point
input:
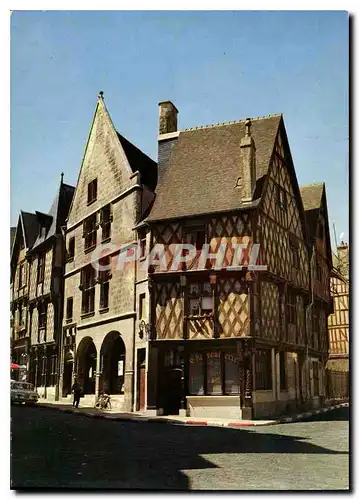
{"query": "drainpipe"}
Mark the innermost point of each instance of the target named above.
(308, 312)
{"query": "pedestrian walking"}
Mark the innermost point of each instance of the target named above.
(76, 389)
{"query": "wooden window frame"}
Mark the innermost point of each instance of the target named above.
(195, 235)
(204, 291)
(90, 232)
(42, 320)
(41, 268)
(92, 192)
(106, 219)
(88, 282)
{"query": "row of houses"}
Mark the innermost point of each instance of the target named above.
(191, 334)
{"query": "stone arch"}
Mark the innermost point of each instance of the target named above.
(113, 358)
(86, 357)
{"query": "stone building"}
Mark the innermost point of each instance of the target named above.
(46, 260)
(231, 341)
(115, 187)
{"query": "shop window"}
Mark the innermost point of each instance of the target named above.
(196, 374)
(90, 231)
(106, 220)
(231, 371)
(263, 367)
(282, 371)
(214, 373)
(92, 191)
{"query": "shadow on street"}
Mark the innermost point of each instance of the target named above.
(57, 450)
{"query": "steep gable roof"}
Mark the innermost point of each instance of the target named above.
(204, 166)
(57, 214)
(30, 227)
(139, 161)
(12, 237)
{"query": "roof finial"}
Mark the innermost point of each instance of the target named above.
(100, 94)
(248, 124)
(62, 177)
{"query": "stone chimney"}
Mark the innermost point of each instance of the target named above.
(343, 259)
(248, 164)
(168, 117)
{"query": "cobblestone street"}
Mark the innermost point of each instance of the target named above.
(55, 449)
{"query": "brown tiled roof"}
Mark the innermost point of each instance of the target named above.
(312, 195)
(204, 167)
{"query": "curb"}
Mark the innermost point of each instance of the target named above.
(201, 423)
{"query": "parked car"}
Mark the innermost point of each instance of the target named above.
(23, 392)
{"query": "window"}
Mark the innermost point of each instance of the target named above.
(69, 308)
(92, 191)
(294, 246)
(90, 232)
(88, 290)
(200, 299)
(214, 373)
(21, 316)
(106, 219)
(195, 236)
(41, 268)
(315, 378)
(142, 238)
(104, 278)
(42, 321)
(281, 197)
(21, 275)
(282, 371)
(291, 307)
(71, 249)
(142, 306)
(263, 367)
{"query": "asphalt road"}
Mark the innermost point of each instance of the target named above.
(57, 450)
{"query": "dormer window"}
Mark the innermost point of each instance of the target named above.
(92, 191)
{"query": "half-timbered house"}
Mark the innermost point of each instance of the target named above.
(228, 340)
(338, 326)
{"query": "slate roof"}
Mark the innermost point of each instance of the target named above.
(312, 199)
(204, 166)
(31, 227)
(57, 214)
(12, 236)
(141, 162)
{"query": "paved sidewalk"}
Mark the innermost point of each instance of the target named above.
(176, 419)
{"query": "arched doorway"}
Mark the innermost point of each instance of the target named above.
(86, 365)
(113, 354)
(68, 368)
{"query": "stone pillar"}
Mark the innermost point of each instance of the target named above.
(128, 389)
(98, 373)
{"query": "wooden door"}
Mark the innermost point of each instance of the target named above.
(142, 387)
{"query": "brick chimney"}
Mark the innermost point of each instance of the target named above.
(168, 117)
(248, 164)
(343, 259)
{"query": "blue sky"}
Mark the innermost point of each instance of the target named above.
(215, 66)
